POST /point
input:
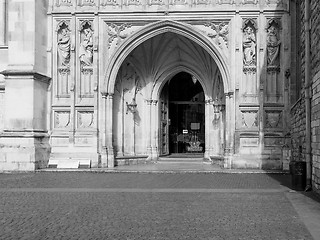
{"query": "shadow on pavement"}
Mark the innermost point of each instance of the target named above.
(287, 180)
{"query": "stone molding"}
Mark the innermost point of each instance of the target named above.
(155, 29)
(17, 73)
(163, 5)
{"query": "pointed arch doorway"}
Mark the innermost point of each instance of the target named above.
(152, 62)
(182, 116)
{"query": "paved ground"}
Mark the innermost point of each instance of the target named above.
(162, 205)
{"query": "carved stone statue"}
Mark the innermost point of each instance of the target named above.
(86, 48)
(273, 46)
(249, 46)
(64, 46)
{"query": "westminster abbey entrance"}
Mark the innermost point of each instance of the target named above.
(183, 116)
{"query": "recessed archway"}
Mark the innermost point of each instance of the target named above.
(159, 28)
(142, 77)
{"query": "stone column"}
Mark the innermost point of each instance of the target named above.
(212, 131)
(215, 118)
(222, 132)
(25, 141)
(207, 129)
(229, 137)
(109, 133)
(148, 128)
(103, 131)
(154, 129)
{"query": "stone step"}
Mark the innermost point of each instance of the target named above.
(122, 161)
(73, 163)
(182, 160)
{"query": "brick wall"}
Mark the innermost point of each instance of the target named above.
(315, 37)
(298, 110)
(302, 45)
(298, 115)
(315, 131)
(298, 130)
(315, 101)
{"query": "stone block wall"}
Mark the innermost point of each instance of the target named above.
(315, 131)
(302, 45)
(315, 101)
(298, 115)
(315, 37)
(298, 131)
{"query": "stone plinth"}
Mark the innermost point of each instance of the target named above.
(24, 144)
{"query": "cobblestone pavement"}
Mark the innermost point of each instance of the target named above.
(87, 205)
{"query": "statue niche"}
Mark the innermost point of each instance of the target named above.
(249, 46)
(64, 44)
(86, 45)
(273, 44)
(63, 59)
(86, 60)
(274, 85)
(249, 43)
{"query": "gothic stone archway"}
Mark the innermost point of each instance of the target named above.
(141, 78)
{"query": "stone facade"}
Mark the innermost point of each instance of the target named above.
(315, 106)
(89, 89)
(309, 66)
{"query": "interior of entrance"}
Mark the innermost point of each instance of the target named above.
(186, 114)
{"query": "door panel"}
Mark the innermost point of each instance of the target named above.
(164, 122)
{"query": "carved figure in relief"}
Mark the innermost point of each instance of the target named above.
(273, 46)
(86, 48)
(249, 46)
(64, 44)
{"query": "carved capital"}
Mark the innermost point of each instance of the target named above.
(249, 69)
(149, 101)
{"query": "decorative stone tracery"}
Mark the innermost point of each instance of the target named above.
(86, 3)
(219, 34)
(274, 119)
(64, 3)
(164, 4)
(250, 119)
(116, 32)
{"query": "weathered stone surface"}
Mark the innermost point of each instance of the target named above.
(91, 74)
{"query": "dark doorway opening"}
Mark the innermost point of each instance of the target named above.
(186, 114)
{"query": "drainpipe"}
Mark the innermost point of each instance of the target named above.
(307, 89)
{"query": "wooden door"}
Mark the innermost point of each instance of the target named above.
(164, 122)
